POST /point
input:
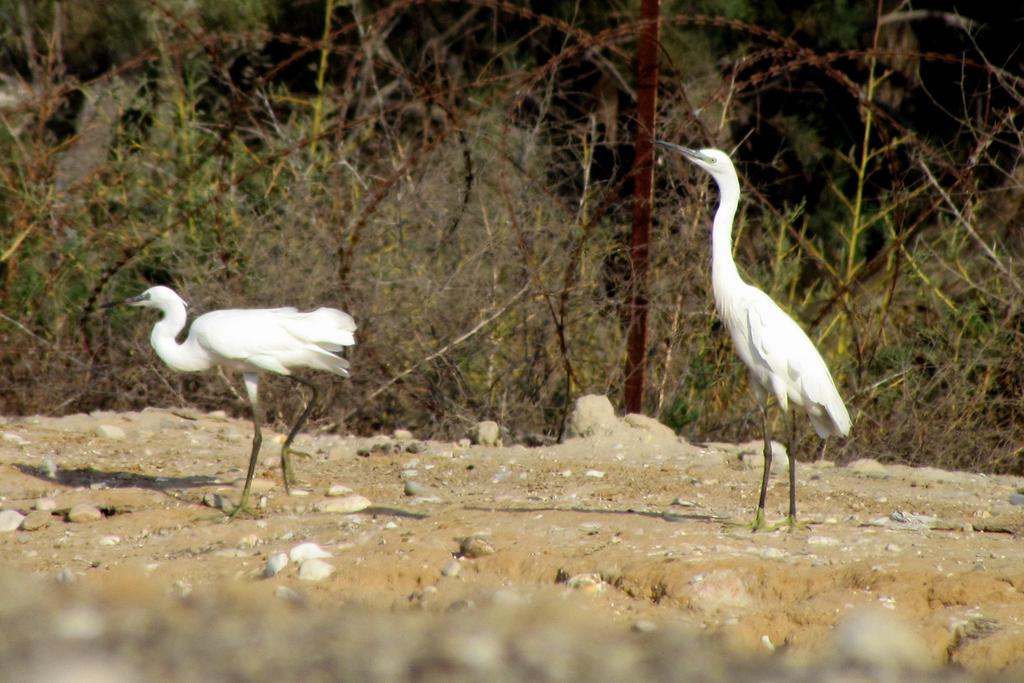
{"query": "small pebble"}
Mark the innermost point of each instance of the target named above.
(37, 519)
(414, 488)
(451, 568)
(891, 548)
(644, 626)
(338, 490)
(10, 520)
(594, 474)
(767, 643)
(587, 583)
(474, 547)
(344, 505)
(45, 504)
(84, 512)
(402, 434)
(275, 563)
(112, 432)
(314, 570)
(218, 501)
(307, 551)
(109, 540)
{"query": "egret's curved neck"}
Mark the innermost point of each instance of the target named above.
(723, 267)
(180, 357)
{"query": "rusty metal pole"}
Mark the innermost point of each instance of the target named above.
(643, 174)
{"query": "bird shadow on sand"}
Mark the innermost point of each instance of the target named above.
(666, 516)
(90, 476)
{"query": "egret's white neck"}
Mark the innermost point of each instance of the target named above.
(723, 268)
(180, 357)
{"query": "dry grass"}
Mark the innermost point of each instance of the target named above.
(475, 221)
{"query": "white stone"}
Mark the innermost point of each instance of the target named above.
(314, 570)
(112, 432)
(307, 551)
(594, 474)
(402, 434)
(45, 504)
(338, 490)
(109, 540)
(84, 512)
(275, 563)
(10, 520)
(344, 505)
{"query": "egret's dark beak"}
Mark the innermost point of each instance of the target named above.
(130, 300)
(691, 154)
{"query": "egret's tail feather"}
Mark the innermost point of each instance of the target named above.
(328, 328)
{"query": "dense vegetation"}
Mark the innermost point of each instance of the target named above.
(457, 176)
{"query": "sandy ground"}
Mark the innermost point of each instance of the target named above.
(609, 558)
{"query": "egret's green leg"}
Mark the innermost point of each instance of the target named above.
(759, 520)
(251, 388)
(286, 449)
(791, 452)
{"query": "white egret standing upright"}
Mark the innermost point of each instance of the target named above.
(781, 360)
(250, 341)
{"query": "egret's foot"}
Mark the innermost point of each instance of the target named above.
(286, 468)
(243, 506)
(760, 523)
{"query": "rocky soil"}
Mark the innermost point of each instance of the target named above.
(618, 555)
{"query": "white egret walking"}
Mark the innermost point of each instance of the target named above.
(251, 341)
(781, 360)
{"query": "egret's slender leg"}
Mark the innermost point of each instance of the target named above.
(286, 449)
(252, 389)
(759, 520)
(791, 451)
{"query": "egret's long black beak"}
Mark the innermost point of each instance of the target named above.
(691, 154)
(130, 300)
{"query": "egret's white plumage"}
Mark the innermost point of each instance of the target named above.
(781, 359)
(250, 341)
